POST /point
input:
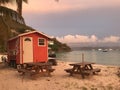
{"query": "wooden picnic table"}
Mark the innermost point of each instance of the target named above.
(36, 68)
(83, 68)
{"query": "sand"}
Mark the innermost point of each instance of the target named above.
(107, 79)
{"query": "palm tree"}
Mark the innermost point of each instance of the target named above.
(18, 2)
(19, 5)
(4, 2)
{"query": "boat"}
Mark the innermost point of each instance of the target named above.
(105, 50)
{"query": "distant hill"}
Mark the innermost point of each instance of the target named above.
(59, 47)
(11, 24)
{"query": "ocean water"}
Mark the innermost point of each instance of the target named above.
(99, 57)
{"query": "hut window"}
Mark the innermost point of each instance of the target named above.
(41, 41)
(27, 39)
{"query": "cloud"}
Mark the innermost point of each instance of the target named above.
(73, 39)
(113, 39)
(78, 39)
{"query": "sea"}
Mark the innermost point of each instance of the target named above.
(111, 57)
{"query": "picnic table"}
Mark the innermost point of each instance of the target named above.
(36, 68)
(83, 68)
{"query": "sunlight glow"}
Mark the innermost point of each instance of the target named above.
(46, 6)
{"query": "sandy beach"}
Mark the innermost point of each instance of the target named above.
(107, 79)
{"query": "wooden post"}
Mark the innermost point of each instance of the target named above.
(82, 57)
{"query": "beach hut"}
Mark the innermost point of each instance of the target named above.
(28, 47)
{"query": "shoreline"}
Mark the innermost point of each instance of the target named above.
(89, 61)
(107, 79)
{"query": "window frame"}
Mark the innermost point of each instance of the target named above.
(43, 42)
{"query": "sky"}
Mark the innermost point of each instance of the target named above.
(76, 22)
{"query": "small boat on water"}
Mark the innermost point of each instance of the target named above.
(106, 50)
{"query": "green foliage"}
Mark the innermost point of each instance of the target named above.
(21, 30)
(59, 47)
(11, 24)
(4, 1)
(2, 49)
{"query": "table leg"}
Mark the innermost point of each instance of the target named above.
(83, 76)
(81, 71)
(37, 70)
(73, 70)
(48, 70)
(91, 67)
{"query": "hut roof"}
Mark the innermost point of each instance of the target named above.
(31, 33)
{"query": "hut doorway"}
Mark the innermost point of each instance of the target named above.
(27, 49)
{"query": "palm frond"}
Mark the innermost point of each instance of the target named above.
(5, 1)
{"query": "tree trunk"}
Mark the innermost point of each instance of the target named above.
(19, 6)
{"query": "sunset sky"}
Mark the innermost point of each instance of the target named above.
(76, 21)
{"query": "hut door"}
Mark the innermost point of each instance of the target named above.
(27, 49)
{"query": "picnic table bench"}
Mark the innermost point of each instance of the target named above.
(24, 71)
(82, 69)
(36, 68)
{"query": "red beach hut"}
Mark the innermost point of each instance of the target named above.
(28, 47)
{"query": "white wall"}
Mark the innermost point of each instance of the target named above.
(1, 56)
